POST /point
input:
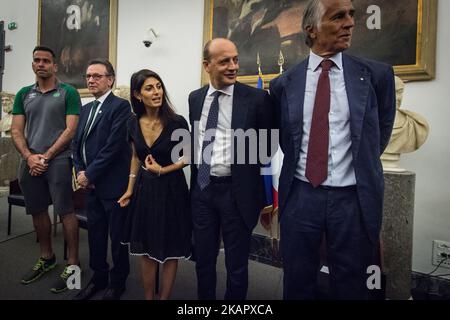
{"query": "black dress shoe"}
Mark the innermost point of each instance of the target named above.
(88, 292)
(112, 293)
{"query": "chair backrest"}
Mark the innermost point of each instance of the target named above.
(14, 187)
(79, 199)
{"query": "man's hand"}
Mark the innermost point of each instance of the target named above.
(38, 164)
(82, 180)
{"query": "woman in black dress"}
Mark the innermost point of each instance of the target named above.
(158, 225)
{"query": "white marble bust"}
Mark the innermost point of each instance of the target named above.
(409, 133)
(7, 106)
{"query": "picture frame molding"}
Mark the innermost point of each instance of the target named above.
(423, 69)
(112, 37)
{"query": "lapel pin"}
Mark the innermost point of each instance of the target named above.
(362, 79)
(100, 111)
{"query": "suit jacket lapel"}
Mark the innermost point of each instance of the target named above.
(295, 94)
(240, 107)
(198, 104)
(195, 113)
(357, 79)
(84, 115)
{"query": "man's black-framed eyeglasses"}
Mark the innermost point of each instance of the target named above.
(96, 77)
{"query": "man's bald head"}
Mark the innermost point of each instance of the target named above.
(213, 45)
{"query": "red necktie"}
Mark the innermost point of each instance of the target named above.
(317, 159)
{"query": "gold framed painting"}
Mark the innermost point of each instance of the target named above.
(401, 33)
(78, 31)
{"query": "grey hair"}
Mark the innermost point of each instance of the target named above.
(312, 17)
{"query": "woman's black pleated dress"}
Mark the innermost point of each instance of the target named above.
(158, 224)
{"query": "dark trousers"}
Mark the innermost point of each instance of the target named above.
(214, 211)
(309, 214)
(105, 217)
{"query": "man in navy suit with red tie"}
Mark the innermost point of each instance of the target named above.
(102, 159)
(335, 114)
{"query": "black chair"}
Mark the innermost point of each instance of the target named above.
(16, 198)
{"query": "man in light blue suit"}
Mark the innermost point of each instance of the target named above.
(335, 114)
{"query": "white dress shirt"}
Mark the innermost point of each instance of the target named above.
(340, 167)
(221, 154)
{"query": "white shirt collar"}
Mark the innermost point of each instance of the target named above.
(315, 60)
(103, 97)
(227, 90)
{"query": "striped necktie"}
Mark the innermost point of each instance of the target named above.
(95, 104)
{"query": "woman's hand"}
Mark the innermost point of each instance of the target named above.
(125, 199)
(152, 165)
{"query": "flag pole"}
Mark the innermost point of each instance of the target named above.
(268, 210)
(275, 241)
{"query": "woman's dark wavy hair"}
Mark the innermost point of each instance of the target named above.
(166, 111)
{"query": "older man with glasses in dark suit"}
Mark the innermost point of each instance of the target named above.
(102, 158)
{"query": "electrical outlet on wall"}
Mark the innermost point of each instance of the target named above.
(441, 251)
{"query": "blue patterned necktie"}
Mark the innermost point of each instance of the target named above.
(205, 159)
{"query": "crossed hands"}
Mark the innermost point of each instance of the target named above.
(38, 164)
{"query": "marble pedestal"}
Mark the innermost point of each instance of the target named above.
(397, 233)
